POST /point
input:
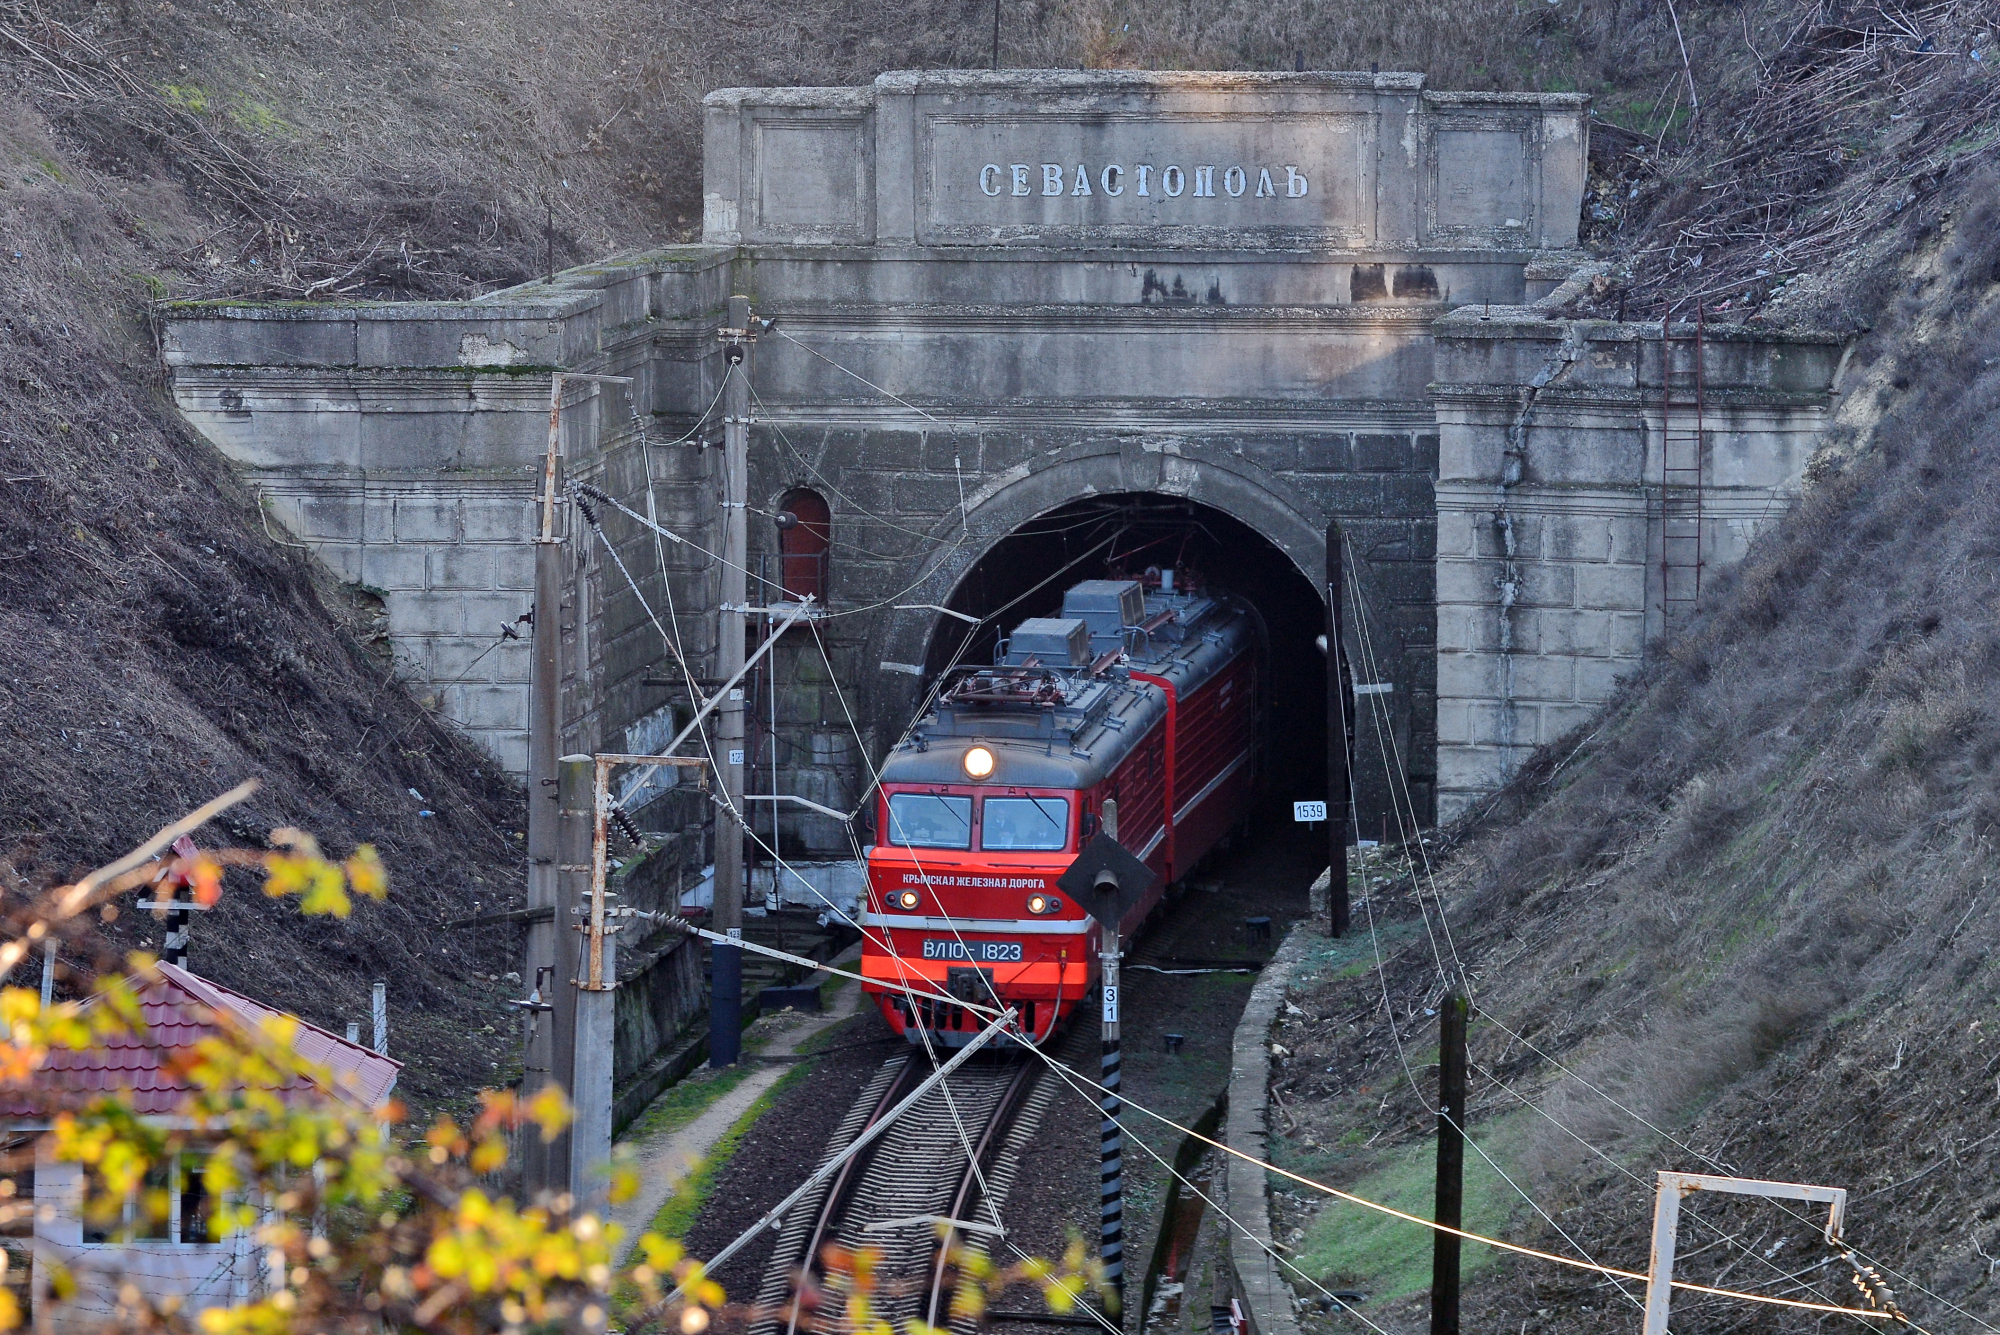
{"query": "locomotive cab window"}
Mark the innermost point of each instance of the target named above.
(1024, 823)
(927, 820)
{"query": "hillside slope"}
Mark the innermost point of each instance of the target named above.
(157, 646)
(1743, 921)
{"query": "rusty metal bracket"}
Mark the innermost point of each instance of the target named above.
(1666, 1222)
(601, 807)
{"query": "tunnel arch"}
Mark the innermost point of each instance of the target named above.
(1220, 480)
(905, 643)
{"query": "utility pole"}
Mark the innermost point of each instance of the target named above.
(1450, 1164)
(573, 816)
(548, 1010)
(725, 1005)
(1111, 1145)
(586, 811)
(540, 1173)
(1339, 738)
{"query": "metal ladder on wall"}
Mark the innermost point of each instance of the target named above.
(1682, 437)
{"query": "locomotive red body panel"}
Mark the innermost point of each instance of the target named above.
(1151, 700)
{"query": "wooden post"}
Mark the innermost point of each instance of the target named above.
(1339, 739)
(1450, 1165)
(540, 1174)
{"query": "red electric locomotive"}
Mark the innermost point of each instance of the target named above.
(1150, 696)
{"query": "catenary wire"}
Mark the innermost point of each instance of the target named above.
(1398, 786)
(1391, 759)
(1433, 1225)
(1072, 1079)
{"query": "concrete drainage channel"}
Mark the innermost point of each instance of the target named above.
(1200, 1246)
(1265, 1297)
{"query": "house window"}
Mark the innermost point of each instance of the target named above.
(802, 548)
(172, 1205)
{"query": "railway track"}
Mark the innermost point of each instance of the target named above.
(886, 1197)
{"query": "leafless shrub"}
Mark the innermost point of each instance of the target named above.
(1660, 1075)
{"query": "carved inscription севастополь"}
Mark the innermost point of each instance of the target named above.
(1017, 179)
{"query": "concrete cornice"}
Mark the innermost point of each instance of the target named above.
(1414, 317)
(1255, 251)
(1640, 500)
(1552, 101)
(1070, 81)
(1151, 417)
(1532, 322)
(530, 385)
(1503, 402)
(293, 480)
(540, 302)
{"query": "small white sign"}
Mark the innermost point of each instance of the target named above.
(1375, 688)
(736, 757)
(1308, 811)
(1111, 1005)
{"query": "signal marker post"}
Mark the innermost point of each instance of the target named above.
(1111, 1143)
(1108, 879)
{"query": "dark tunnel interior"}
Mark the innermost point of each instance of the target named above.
(1121, 535)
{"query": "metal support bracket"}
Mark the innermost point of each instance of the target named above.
(1667, 1216)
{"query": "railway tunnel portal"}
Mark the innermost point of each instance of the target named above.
(1012, 308)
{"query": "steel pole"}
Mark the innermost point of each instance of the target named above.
(539, 1173)
(725, 1007)
(1339, 738)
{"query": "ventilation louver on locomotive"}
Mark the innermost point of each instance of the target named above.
(1057, 643)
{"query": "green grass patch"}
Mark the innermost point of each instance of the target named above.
(189, 97)
(1354, 954)
(255, 116)
(687, 1099)
(692, 1095)
(680, 1210)
(1387, 1258)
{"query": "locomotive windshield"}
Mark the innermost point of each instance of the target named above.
(1024, 823)
(925, 820)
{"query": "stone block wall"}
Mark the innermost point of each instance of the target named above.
(955, 358)
(1551, 578)
(404, 444)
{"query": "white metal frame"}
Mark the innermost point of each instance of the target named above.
(1667, 1217)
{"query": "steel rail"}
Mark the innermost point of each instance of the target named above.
(843, 1185)
(971, 1183)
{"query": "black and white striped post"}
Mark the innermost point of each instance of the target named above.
(1111, 1144)
(176, 947)
(1108, 880)
(178, 903)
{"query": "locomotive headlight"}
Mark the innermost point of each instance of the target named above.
(909, 899)
(978, 762)
(1044, 904)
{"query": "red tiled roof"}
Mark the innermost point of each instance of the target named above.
(179, 1011)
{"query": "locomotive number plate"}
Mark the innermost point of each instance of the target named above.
(985, 952)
